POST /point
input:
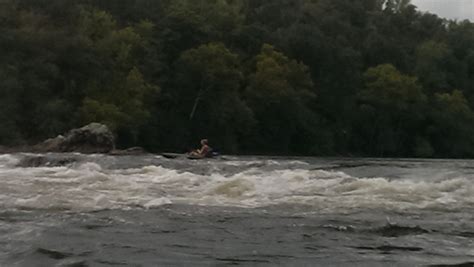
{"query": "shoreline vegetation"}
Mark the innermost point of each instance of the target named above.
(363, 78)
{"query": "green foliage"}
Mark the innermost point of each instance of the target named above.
(450, 130)
(9, 110)
(313, 77)
(423, 148)
(208, 81)
(96, 24)
(280, 92)
(386, 87)
(432, 58)
(391, 106)
(397, 5)
(119, 97)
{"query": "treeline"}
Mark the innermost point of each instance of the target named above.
(307, 77)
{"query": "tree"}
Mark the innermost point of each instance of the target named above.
(431, 59)
(279, 93)
(10, 87)
(189, 23)
(119, 97)
(66, 63)
(208, 80)
(397, 6)
(391, 106)
(451, 130)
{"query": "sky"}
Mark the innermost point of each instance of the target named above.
(451, 9)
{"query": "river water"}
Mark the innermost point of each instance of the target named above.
(96, 210)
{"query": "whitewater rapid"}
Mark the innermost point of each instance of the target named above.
(99, 210)
(96, 182)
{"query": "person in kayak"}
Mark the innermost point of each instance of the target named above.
(205, 150)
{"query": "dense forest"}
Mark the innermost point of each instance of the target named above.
(293, 77)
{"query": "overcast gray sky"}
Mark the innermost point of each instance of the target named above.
(451, 9)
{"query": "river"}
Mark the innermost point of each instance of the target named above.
(98, 210)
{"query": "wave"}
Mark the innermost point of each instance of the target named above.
(8, 160)
(88, 186)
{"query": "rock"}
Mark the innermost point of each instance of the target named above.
(53, 144)
(43, 161)
(11, 150)
(394, 230)
(93, 138)
(129, 152)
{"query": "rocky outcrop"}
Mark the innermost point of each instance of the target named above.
(133, 151)
(93, 138)
(51, 145)
(32, 161)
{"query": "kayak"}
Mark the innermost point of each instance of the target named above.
(187, 156)
(172, 155)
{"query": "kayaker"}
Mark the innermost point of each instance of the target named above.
(205, 150)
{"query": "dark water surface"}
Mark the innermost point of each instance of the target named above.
(76, 210)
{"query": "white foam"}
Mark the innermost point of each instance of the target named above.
(90, 187)
(8, 160)
(157, 202)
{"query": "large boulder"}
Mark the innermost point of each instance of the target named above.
(52, 145)
(93, 138)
